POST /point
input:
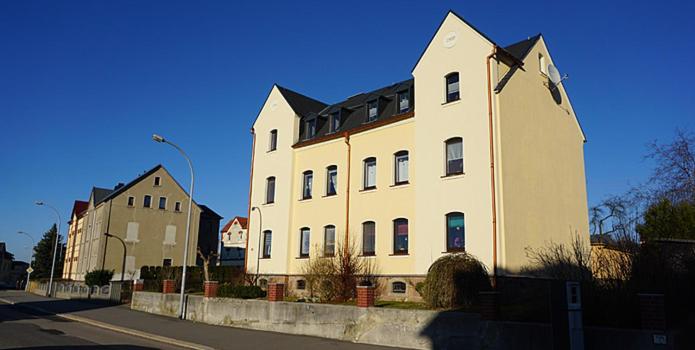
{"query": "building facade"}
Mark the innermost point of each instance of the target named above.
(74, 237)
(233, 242)
(478, 152)
(149, 215)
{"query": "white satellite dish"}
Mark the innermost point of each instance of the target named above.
(554, 74)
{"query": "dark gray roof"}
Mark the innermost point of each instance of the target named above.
(354, 110)
(121, 189)
(302, 105)
(522, 48)
(100, 194)
(207, 210)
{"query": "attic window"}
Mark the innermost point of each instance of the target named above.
(335, 121)
(157, 181)
(403, 101)
(372, 110)
(310, 128)
(452, 87)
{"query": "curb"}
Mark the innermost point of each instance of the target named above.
(129, 331)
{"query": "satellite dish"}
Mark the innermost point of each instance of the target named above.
(554, 74)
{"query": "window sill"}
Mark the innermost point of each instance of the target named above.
(271, 150)
(264, 258)
(330, 195)
(302, 257)
(453, 176)
(454, 251)
(268, 204)
(306, 199)
(401, 184)
(131, 240)
(451, 103)
(368, 189)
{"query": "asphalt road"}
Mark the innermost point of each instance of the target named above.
(22, 328)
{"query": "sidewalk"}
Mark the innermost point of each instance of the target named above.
(189, 334)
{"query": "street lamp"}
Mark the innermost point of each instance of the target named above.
(33, 241)
(160, 139)
(260, 233)
(108, 235)
(55, 247)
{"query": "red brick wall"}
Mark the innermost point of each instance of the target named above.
(365, 296)
(276, 292)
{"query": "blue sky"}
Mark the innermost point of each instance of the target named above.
(84, 84)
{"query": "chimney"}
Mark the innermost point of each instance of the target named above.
(119, 185)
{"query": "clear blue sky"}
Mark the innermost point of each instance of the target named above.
(83, 84)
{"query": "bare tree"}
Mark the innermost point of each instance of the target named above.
(674, 175)
(206, 262)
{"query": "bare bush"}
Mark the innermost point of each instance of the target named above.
(560, 261)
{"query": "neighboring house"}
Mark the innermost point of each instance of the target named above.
(149, 214)
(476, 152)
(233, 242)
(6, 259)
(75, 228)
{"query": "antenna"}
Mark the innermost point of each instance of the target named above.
(554, 76)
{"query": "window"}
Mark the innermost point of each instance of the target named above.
(273, 142)
(304, 242)
(331, 180)
(542, 64)
(403, 101)
(157, 181)
(398, 287)
(329, 241)
(301, 284)
(131, 201)
(310, 128)
(372, 110)
(370, 173)
(368, 238)
(177, 207)
(270, 190)
(452, 87)
(454, 156)
(166, 262)
(147, 201)
(455, 232)
(267, 241)
(400, 236)
(307, 184)
(132, 231)
(170, 235)
(335, 121)
(401, 167)
(162, 202)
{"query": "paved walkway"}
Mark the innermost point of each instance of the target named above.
(182, 333)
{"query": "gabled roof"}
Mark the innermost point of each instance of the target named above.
(79, 207)
(521, 49)
(207, 211)
(242, 221)
(121, 189)
(302, 105)
(99, 194)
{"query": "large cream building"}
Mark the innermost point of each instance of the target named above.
(477, 152)
(149, 215)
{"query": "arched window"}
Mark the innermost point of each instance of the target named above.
(452, 87)
(368, 238)
(400, 171)
(273, 141)
(304, 242)
(398, 287)
(307, 184)
(331, 180)
(455, 232)
(329, 240)
(270, 190)
(267, 243)
(369, 173)
(301, 284)
(400, 236)
(454, 156)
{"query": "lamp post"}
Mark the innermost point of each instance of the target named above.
(260, 233)
(160, 139)
(31, 259)
(108, 235)
(55, 247)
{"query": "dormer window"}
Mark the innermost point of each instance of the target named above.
(403, 101)
(335, 121)
(372, 110)
(310, 128)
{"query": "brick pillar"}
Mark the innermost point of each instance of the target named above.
(276, 292)
(168, 286)
(489, 305)
(211, 289)
(138, 285)
(652, 311)
(365, 296)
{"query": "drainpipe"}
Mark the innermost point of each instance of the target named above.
(248, 216)
(347, 195)
(492, 168)
(106, 241)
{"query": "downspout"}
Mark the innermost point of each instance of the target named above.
(248, 220)
(72, 250)
(492, 168)
(106, 240)
(347, 195)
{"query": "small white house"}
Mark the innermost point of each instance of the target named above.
(233, 242)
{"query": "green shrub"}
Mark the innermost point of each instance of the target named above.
(454, 280)
(420, 289)
(98, 277)
(240, 291)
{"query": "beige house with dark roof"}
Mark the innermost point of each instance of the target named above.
(478, 152)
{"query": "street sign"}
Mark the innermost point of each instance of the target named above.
(30, 270)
